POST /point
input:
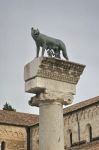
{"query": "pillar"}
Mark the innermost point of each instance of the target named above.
(53, 81)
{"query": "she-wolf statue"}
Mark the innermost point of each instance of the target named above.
(52, 45)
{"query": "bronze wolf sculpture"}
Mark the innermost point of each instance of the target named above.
(48, 43)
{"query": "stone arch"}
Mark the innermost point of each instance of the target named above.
(97, 109)
(94, 111)
(88, 133)
(69, 117)
(83, 114)
(86, 114)
(72, 118)
(80, 115)
(89, 112)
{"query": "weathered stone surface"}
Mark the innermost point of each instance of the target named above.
(54, 69)
(54, 83)
(87, 112)
(77, 119)
(49, 96)
(35, 138)
(52, 78)
(14, 137)
(51, 126)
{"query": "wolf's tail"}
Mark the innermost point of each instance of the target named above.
(65, 54)
(64, 51)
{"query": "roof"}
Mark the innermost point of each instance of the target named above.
(24, 119)
(17, 118)
(81, 105)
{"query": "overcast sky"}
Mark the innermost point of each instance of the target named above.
(76, 22)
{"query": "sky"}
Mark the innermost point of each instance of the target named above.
(76, 22)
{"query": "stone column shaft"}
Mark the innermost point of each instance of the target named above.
(51, 126)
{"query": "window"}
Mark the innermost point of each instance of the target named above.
(89, 133)
(2, 146)
(69, 138)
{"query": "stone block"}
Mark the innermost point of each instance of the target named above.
(55, 78)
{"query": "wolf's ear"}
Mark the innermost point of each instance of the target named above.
(32, 28)
(38, 31)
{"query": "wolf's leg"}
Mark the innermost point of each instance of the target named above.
(37, 51)
(43, 49)
(57, 53)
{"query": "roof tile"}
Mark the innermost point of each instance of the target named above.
(17, 118)
(81, 105)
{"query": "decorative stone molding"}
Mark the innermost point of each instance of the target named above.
(52, 80)
(60, 70)
(50, 96)
(54, 69)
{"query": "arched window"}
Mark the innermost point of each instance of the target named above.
(89, 133)
(2, 146)
(69, 140)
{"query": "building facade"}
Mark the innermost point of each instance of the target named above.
(20, 131)
(15, 130)
(81, 125)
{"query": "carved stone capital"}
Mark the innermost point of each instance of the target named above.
(50, 97)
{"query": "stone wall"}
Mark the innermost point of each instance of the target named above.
(35, 138)
(79, 124)
(88, 146)
(82, 126)
(81, 131)
(13, 137)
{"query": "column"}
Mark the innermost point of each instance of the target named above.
(53, 81)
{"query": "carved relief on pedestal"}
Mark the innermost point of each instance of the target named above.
(60, 70)
(54, 69)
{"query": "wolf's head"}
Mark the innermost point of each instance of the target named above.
(34, 33)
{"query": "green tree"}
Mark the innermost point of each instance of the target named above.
(8, 107)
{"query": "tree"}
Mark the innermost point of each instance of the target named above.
(8, 107)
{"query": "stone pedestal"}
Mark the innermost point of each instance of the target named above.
(54, 83)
